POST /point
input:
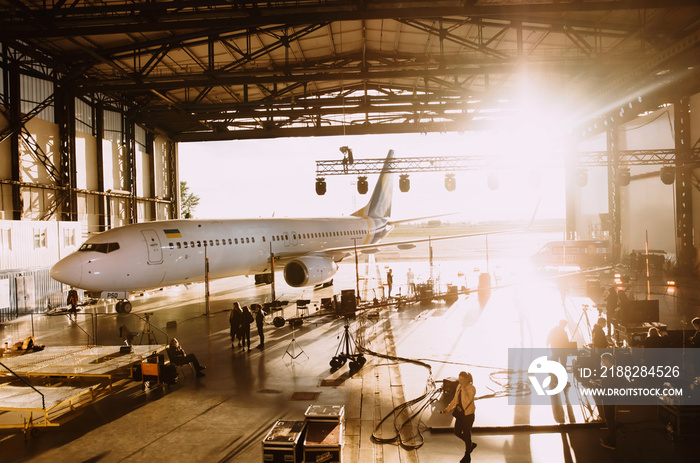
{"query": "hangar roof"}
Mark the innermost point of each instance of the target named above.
(224, 69)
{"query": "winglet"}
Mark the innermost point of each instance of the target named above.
(379, 205)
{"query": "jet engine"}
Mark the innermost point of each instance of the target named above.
(309, 271)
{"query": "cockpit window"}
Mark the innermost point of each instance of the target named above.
(104, 248)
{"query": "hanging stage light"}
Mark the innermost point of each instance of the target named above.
(450, 182)
(404, 183)
(624, 177)
(667, 174)
(362, 185)
(320, 186)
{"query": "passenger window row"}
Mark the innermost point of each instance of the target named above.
(200, 243)
(247, 240)
(306, 236)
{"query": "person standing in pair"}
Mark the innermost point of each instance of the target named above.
(246, 320)
(234, 320)
(259, 320)
(463, 409)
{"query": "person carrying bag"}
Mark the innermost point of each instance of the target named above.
(464, 416)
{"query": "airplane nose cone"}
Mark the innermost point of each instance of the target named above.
(68, 270)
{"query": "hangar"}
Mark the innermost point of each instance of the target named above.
(97, 96)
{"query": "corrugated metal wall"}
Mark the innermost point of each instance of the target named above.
(29, 291)
(27, 251)
(34, 91)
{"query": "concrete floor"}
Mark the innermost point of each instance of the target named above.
(225, 415)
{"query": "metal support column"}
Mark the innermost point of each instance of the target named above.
(99, 161)
(614, 200)
(684, 205)
(173, 176)
(153, 205)
(65, 119)
(129, 134)
(16, 125)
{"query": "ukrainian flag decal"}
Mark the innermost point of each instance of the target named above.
(172, 233)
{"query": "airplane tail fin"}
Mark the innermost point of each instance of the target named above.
(379, 205)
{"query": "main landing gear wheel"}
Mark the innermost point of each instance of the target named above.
(123, 307)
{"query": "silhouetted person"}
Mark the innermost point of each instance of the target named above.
(389, 281)
(611, 302)
(72, 300)
(234, 320)
(605, 405)
(259, 321)
(409, 282)
(558, 340)
(653, 339)
(598, 338)
(177, 356)
(464, 408)
(694, 340)
(246, 320)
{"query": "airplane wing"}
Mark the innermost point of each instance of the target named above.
(416, 219)
(408, 244)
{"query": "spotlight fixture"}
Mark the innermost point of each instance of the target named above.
(320, 186)
(404, 183)
(362, 185)
(624, 177)
(450, 182)
(667, 174)
(581, 178)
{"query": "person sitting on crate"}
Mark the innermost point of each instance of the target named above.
(177, 356)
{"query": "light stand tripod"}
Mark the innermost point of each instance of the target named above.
(150, 335)
(345, 351)
(584, 314)
(294, 346)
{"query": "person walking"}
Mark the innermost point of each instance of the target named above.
(234, 320)
(246, 320)
(463, 408)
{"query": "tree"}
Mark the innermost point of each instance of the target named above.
(188, 201)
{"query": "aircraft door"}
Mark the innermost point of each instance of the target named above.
(286, 239)
(295, 238)
(155, 253)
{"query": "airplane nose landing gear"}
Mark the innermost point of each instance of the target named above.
(347, 351)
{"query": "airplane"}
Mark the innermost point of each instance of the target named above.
(150, 255)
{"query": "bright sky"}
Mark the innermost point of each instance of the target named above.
(259, 178)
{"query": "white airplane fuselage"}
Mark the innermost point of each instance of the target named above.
(163, 253)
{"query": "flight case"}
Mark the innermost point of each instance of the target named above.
(324, 433)
(323, 443)
(281, 445)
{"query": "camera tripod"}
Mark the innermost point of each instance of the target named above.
(150, 335)
(584, 315)
(345, 351)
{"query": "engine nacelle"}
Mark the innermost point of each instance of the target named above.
(309, 271)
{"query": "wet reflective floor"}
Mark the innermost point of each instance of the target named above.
(225, 415)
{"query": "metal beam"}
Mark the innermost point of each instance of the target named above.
(614, 199)
(685, 249)
(45, 22)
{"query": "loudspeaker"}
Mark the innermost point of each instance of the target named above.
(348, 303)
(449, 387)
